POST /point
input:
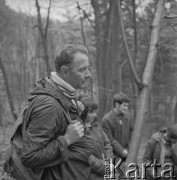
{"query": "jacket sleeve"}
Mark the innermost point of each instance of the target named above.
(107, 146)
(148, 155)
(117, 148)
(131, 125)
(174, 154)
(96, 164)
(41, 148)
(131, 128)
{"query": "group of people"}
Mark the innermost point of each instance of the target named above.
(63, 139)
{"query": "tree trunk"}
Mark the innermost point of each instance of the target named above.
(171, 112)
(113, 67)
(108, 53)
(11, 102)
(134, 88)
(115, 53)
(100, 63)
(130, 60)
(142, 101)
(1, 122)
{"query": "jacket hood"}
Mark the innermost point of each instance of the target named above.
(46, 86)
(157, 136)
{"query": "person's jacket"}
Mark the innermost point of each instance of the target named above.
(119, 130)
(102, 151)
(153, 152)
(44, 149)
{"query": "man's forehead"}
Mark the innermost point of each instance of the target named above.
(80, 58)
(80, 61)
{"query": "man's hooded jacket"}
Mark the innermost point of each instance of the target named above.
(45, 151)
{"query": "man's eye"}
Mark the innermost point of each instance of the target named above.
(83, 69)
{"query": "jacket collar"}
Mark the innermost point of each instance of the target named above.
(67, 89)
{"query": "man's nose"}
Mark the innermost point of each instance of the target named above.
(94, 114)
(88, 74)
(126, 107)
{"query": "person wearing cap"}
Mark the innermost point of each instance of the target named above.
(118, 125)
(161, 150)
(103, 148)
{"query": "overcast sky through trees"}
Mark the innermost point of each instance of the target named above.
(61, 9)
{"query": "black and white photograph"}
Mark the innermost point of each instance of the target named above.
(88, 89)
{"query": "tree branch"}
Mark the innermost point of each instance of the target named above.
(82, 26)
(86, 16)
(135, 31)
(137, 79)
(107, 36)
(98, 33)
(48, 20)
(39, 18)
(37, 57)
(170, 17)
(37, 26)
(43, 33)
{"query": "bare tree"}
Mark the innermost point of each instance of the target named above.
(9, 95)
(142, 101)
(109, 64)
(1, 121)
(82, 24)
(134, 88)
(43, 30)
(130, 60)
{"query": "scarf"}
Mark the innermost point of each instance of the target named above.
(66, 88)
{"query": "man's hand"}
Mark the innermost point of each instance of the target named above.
(74, 132)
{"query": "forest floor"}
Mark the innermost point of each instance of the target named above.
(5, 133)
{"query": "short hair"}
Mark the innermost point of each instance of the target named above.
(120, 98)
(172, 131)
(89, 106)
(66, 54)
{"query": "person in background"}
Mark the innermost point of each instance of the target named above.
(103, 148)
(118, 125)
(162, 149)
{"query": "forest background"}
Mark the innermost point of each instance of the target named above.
(30, 38)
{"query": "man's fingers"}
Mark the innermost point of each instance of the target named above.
(77, 126)
(81, 130)
(74, 121)
(81, 134)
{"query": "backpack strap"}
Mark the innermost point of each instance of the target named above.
(18, 122)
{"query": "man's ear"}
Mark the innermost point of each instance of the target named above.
(64, 70)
